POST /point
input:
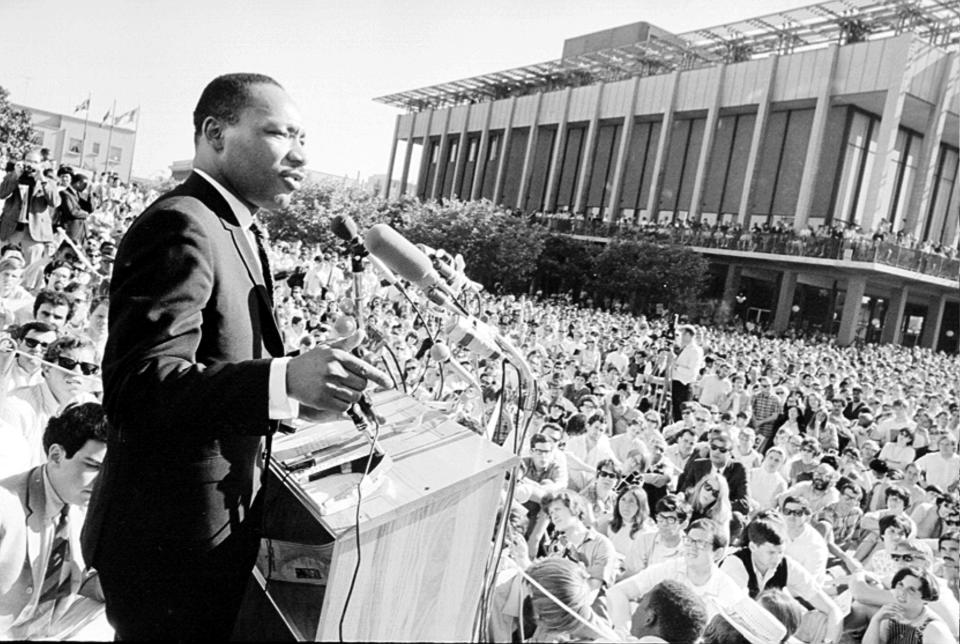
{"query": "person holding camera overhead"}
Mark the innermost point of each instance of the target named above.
(27, 218)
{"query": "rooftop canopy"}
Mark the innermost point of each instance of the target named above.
(784, 32)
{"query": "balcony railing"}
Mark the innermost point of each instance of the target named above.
(775, 243)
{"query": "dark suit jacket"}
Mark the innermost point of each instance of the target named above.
(734, 472)
(186, 372)
(39, 212)
(72, 214)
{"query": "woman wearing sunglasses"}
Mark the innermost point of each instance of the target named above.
(710, 499)
(908, 619)
(601, 494)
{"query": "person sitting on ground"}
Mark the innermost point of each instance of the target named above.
(569, 583)
(908, 618)
(765, 483)
(601, 494)
(669, 612)
(631, 518)
(804, 543)
(710, 499)
(649, 548)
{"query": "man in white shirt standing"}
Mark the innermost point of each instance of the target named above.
(686, 369)
(943, 467)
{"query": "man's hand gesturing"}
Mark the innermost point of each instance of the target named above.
(330, 377)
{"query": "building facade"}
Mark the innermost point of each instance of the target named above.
(94, 147)
(811, 125)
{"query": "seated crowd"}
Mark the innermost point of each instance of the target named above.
(804, 490)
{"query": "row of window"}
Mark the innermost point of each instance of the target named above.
(116, 153)
(848, 159)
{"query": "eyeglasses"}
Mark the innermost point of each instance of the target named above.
(709, 488)
(852, 497)
(540, 451)
(795, 512)
(33, 343)
(701, 419)
(87, 368)
(808, 450)
(904, 558)
(667, 519)
(699, 544)
(607, 475)
(720, 448)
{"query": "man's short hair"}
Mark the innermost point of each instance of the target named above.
(39, 327)
(225, 97)
(54, 299)
(64, 343)
(796, 500)
(538, 439)
(901, 523)
(673, 503)
(574, 502)
(898, 492)
(767, 527)
(681, 614)
(77, 424)
(54, 265)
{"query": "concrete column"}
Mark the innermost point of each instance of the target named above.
(425, 157)
(953, 221)
(666, 128)
(876, 203)
(586, 163)
(931, 328)
(408, 154)
(475, 185)
(893, 321)
(818, 130)
(756, 141)
(788, 287)
(856, 288)
(706, 146)
(553, 177)
(504, 149)
(393, 154)
(528, 153)
(626, 133)
(462, 156)
(731, 285)
(922, 191)
(441, 155)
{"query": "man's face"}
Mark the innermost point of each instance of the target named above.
(772, 461)
(54, 315)
(58, 278)
(766, 556)
(542, 454)
(948, 446)
(796, 516)
(698, 546)
(63, 180)
(66, 384)
(34, 343)
(73, 478)
(686, 443)
(822, 478)
(262, 155)
(10, 278)
(850, 497)
(719, 452)
(32, 164)
(560, 515)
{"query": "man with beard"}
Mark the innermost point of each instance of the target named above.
(819, 491)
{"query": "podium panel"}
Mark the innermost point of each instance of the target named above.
(426, 526)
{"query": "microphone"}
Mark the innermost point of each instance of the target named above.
(405, 259)
(344, 227)
(474, 336)
(441, 354)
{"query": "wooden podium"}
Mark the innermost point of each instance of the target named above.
(426, 528)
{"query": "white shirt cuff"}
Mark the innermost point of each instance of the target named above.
(280, 406)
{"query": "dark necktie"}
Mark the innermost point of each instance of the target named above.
(56, 581)
(264, 258)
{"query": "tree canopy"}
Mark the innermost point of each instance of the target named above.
(16, 130)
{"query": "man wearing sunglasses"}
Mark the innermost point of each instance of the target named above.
(721, 461)
(29, 408)
(23, 368)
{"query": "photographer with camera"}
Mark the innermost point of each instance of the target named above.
(27, 218)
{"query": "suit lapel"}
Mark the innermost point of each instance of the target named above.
(203, 190)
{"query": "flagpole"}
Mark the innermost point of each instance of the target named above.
(133, 148)
(83, 142)
(113, 114)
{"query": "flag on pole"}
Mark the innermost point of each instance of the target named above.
(128, 117)
(82, 106)
(106, 117)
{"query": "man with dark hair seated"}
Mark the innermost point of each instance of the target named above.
(41, 511)
(669, 612)
(763, 564)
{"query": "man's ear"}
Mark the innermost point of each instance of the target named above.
(55, 454)
(212, 132)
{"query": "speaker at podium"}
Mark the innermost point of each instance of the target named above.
(427, 512)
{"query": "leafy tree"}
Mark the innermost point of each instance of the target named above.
(307, 218)
(500, 249)
(565, 265)
(16, 131)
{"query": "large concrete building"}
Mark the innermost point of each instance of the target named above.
(94, 146)
(843, 111)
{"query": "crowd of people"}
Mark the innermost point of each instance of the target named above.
(676, 482)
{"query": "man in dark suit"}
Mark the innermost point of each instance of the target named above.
(193, 375)
(27, 217)
(74, 208)
(721, 460)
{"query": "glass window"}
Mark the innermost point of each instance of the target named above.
(940, 204)
(908, 147)
(74, 147)
(859, 154)
(96, 149)
(115, 154)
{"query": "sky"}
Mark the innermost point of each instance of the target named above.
(332, 57)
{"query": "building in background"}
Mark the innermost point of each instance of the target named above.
(843, 112)
(103, 149)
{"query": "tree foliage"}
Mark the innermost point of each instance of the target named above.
(16, 131)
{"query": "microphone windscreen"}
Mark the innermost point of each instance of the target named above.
(424, 347)
(345, 325)
(440, 353)
(344, 227)
(402, 257)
